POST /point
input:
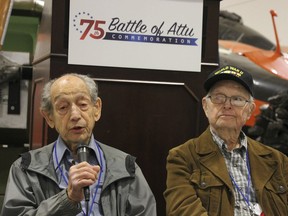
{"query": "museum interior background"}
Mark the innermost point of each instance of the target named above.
(145, 112)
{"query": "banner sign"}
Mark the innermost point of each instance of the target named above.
(150, 34)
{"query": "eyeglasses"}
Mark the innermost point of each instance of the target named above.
(237, 101)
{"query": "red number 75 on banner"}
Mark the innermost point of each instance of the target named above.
(98, 31)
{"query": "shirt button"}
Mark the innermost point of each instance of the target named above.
(235, 165)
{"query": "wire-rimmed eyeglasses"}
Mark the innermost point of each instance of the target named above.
(234, 100)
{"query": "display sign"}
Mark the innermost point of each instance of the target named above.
(150, 34)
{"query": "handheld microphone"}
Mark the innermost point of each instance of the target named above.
(83, 154)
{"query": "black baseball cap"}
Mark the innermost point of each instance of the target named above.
(230, 72)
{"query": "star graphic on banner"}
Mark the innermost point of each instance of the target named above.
(77, 18)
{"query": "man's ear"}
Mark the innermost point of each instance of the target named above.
(98, 108)
(204, 105)
(48, 118)
(252, 107)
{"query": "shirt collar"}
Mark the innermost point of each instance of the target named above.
(221, 143)
(61, 151)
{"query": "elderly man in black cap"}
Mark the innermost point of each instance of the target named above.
(224, 172)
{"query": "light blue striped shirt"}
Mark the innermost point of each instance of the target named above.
(62, 158)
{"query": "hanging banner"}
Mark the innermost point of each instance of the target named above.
(150, 34)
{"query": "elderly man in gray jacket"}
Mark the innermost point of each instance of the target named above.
(51, 180)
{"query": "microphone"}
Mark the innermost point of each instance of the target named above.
(83, 154)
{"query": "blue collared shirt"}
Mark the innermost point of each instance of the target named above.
(62, 159)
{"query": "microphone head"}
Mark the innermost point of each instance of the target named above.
(82, 152)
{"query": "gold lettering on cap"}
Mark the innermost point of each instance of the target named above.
(230, 70)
